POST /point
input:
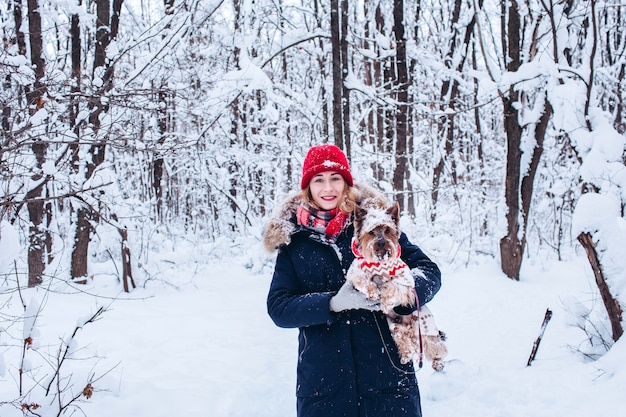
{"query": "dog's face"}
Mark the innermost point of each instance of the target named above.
(377, 231)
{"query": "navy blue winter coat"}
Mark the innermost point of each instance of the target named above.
(348, 364)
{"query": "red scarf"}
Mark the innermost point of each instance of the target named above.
(331, 222)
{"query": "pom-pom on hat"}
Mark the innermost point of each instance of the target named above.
(324, 158)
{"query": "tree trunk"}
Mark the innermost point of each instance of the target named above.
(447, 130)
(20, 38)
(448, 97)
(412, 157)
(620, 116)
(321, 58)
(519, 186)
(80, 252)
(611, 304)
(402, 80)
(127, 271)
(479, 151)
(37, 231)
(345, 93)
(529, 178)
(36, 241)
(78, 263)
(75, 53)
(163, 124)
(380, 140)
(20, 41)
(511, 246)
(335, 36)
(237, 118)
(86, 215)
(103, 31)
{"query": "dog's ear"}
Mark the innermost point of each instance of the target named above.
(394, 213)
(359, 214)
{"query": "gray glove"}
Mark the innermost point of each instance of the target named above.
(349, 298)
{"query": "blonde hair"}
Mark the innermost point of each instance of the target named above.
(346, 205)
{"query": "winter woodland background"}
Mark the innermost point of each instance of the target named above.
(498, 126)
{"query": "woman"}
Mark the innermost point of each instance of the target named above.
(348, 364)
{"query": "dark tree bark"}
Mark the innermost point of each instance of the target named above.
(75, 54)
(401, 84)
(37, 238)
(335, 35)
(236, 133)
(529, 179)
(321, 59)
(372, 132)
(345, 93)
(78, 265)
(448, 98)
(35, 99)
(519, 182)
(620, 114)
(383, 75)
(479, 144)
(380, 138)
(412, 157)
(127, 271)
(107, 21)
(544, 325)
(511, 247)
(164, 126)
(19, 40)
(611, 304)
(80, 252)
(115, 17)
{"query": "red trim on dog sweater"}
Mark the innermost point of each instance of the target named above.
(388, 268)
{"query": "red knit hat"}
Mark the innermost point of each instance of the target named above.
(324, 158)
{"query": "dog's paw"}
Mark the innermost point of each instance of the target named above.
(438, 365)
(373, 295)
(371, 291)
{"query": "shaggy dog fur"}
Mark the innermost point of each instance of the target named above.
(380, 274)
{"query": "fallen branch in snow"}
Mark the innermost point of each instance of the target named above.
(611, 304)
(546, 319)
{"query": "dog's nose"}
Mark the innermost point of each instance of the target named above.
(380, 244)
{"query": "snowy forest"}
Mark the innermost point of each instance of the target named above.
(499, 127)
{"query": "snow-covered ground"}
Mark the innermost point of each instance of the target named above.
(196, 340)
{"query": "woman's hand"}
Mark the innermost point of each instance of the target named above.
(349, 298)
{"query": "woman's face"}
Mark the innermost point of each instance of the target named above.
(326, 189)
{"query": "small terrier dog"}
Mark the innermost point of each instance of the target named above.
(379, 273)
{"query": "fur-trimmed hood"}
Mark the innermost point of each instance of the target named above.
(282, 224)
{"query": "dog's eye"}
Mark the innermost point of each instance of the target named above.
(371, 233)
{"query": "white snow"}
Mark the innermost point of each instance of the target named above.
(194, 338)
(198, 341)
(9, 246)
